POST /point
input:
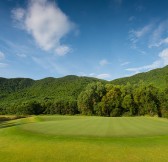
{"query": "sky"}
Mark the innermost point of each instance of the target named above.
(107, 39)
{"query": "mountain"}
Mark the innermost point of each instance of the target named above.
(158, 77)
(19, 90)
(15, 84)
(24, 89)
(67, 87)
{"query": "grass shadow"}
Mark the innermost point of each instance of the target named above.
(10, 121)
(6, 124)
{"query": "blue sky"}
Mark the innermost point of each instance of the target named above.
(107, 39)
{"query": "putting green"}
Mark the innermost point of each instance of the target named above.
(98, 126)
(84, 139)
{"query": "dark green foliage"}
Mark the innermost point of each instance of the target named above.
(112, 101)
(115, 100)
(88, 100)
(14, 85)
(54, 95)
(158, 77)
(61, 107)
(88, 96)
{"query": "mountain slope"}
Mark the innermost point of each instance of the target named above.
(22, 90)
(19, 90)
(15, 84)
(61, 88)
(158, 77)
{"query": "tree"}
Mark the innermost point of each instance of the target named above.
(112, 101)
(88, 100)
(146, 99)
(128, 104)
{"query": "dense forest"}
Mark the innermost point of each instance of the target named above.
(141, 94)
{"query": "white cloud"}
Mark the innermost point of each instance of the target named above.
(100, 76)
(157, 37)
(154, 65)
(103, 76)
(158, 44)
(46, 23)
(92, 74)
(164, 56)
(141, 32)
(103, 62)
(136, 35)
(17, 49)
(62, 50)
(2, 55)
(162, 61)
(18, 14)
(21, 55)
(125, 63)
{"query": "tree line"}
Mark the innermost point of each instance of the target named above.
(100, 99)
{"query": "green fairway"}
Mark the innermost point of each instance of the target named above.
(80, 138)
(100, 126)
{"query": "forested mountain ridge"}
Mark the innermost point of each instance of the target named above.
(158, 77)
(47, 84)
(67, 87)
(144, 93)
(23, 89)
(14, 84)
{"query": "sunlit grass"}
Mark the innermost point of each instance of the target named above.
(29, 145)
(99, 126)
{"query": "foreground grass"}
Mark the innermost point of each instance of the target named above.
(38, 139)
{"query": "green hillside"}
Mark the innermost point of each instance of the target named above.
(15, 84)
(22, 89)
(158, 77)
(85, 95)
(67, 87)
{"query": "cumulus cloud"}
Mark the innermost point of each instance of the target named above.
(2, 55)
(162, 61)
(46, 23)
(103, 62)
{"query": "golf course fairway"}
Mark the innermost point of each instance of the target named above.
(80, 138)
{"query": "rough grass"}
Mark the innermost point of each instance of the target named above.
(40, 139)
(10, 117)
